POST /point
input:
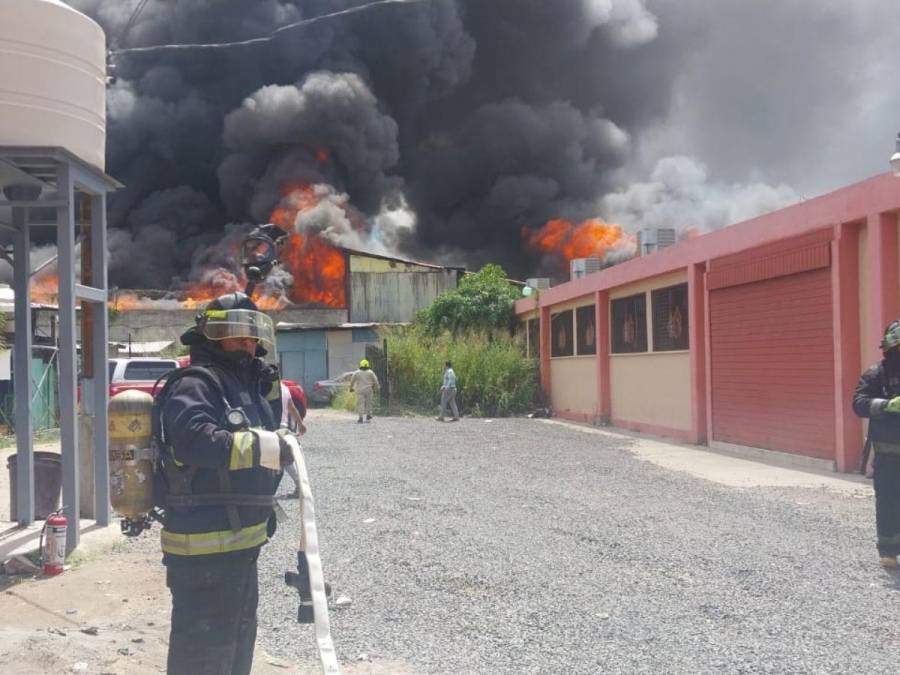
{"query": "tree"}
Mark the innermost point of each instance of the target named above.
(484, 300)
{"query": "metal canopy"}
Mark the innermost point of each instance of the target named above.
(59, 174)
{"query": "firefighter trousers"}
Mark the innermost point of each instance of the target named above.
(213, 618)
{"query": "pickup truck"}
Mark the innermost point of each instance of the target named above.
(142, 374)
(137, 373)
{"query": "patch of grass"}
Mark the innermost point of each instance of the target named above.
(344, 400)
(494, 378)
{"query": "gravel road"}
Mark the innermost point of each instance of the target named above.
(512, 546)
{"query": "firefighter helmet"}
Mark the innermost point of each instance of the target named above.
(232, 316)
(891, 336)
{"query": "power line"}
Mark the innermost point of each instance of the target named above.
(260, 40)
(118, 40)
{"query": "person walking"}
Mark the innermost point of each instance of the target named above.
(221, 458)
(448, 394)
(365, 383)
(877, 397)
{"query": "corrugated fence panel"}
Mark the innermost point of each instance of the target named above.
(395, 297)
(772, 357)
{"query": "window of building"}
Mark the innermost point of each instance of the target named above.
(534, 338)
(629, 324)
(561, 334)
(148, 370)
(670, 318)
(586, 330)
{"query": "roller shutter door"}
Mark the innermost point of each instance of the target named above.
(772, 357)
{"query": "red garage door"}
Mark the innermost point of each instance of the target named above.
(772, 353)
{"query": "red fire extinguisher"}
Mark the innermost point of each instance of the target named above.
(53, 556)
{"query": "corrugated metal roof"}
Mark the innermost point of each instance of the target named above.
(406, 261)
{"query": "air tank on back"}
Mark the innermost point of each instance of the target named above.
(131, 459)
(53, 75)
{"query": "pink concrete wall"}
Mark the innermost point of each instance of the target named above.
(860, 228)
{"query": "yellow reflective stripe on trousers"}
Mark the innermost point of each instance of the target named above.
(206, 543)
(241, 451)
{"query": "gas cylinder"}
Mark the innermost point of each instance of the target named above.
(54, 552)
(131, 459)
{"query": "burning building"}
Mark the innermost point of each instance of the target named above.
(324, 319)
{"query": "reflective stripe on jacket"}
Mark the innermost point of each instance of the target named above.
(207, 543)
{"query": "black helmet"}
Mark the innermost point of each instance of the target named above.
(234, 300)
(891, 337)
(232, 315)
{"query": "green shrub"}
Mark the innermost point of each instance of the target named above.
(344, 400)
(484, 300)
(494, 379)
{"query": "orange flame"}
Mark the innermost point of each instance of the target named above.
(322, 155)
(319, 271)
(295, 199)
(590, 239)
(45, 289)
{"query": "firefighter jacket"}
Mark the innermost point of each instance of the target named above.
(364, 381)
(198, 440)
(878, 385)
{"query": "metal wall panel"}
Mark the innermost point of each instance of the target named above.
(395, 297)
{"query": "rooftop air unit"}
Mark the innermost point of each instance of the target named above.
(651, 240)
(581, 267)
(665, 237)
(540, 284)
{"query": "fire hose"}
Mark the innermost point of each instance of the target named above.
(309, 579)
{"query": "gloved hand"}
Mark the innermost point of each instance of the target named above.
(893, 405)
(287, 452)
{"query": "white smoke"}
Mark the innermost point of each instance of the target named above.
(680, 195)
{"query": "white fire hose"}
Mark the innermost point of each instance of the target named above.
(313, 583)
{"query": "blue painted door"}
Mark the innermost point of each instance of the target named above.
(303, 357)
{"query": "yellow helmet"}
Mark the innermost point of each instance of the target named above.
(364, 364)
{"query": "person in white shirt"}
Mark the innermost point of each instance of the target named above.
(365, 383)
(448, 394)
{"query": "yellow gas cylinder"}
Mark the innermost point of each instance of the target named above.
(130, 455)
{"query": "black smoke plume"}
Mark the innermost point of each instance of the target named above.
(448, 125)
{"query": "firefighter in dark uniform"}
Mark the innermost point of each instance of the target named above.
(221, 464)
(877, 397)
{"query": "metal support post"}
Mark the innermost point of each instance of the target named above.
(22, 357)
(68, 426)
(101, 372)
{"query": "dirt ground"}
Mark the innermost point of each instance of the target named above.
(109, 614)
(104, 616)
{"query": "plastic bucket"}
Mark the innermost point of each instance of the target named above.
(47, 484)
